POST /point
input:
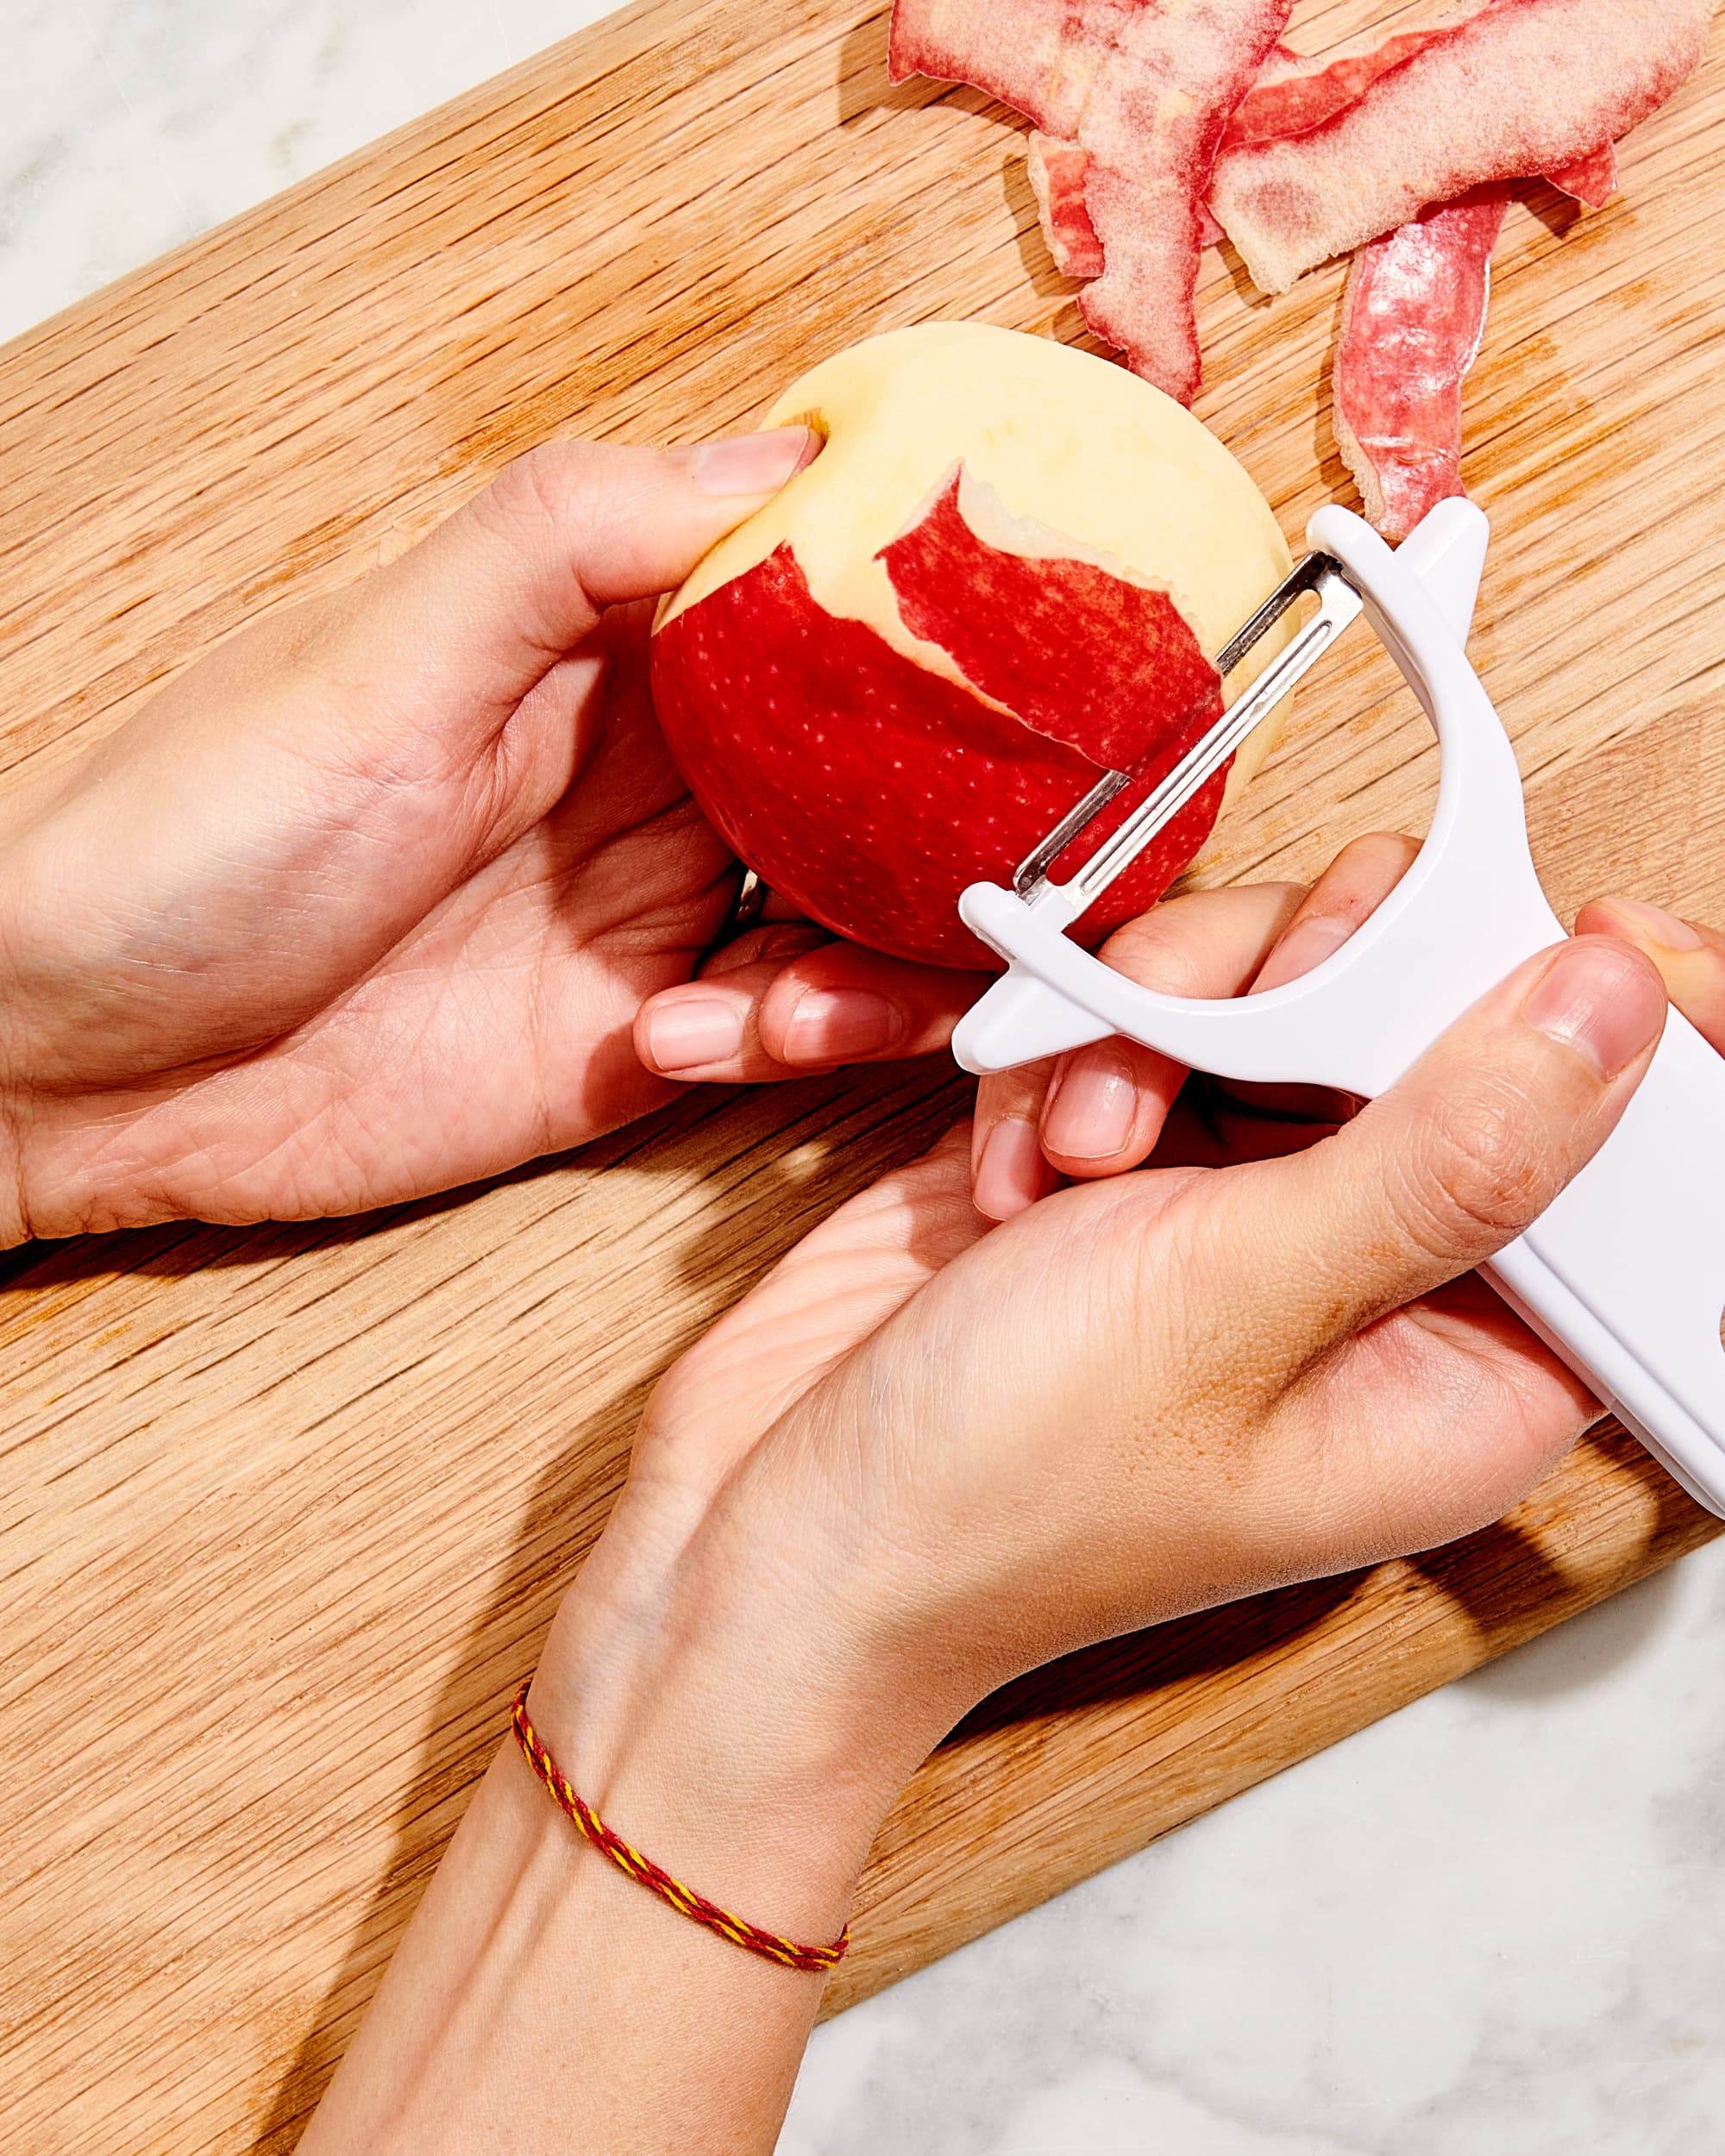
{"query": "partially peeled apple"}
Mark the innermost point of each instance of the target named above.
(1004, 575)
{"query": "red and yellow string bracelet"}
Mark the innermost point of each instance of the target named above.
(645, 1872)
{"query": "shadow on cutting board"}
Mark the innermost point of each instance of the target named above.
(863, 84)
(1498, 1581)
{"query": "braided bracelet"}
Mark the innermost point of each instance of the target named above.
(645, 1872)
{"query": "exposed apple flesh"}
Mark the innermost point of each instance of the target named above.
(1411, 328)
(1510, 91)
(1001, 578)
(1136, 96)
(868, 789)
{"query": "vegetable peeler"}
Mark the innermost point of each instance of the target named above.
(1624, 1275)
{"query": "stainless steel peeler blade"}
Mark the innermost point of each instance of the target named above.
(1339, 603)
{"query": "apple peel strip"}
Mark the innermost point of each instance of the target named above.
(1296, 92)
(1566, 78)
(1132, 98)
(1412, 322)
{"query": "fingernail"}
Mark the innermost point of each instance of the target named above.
(1303, 949)
(1600, 1000)
(1090, 1114)
(1660, 927)
(689, 1034)
(1009, 1175)
(754, 463)
(829, 1025)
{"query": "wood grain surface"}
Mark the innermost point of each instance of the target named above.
(285, 1512)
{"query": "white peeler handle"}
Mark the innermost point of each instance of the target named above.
(1625, 1274)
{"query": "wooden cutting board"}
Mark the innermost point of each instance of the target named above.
(285, 1512)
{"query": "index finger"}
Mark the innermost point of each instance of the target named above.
(1689, 957)
(787, 1011)
(1078, 1137)
(1100, 1109)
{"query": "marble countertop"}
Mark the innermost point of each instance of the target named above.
(1491, 1926)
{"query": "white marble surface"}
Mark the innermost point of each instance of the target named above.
(128, 126)
(1492, 1926)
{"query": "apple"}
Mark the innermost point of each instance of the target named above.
(1002, 577)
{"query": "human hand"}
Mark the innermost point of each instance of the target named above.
(786, 998)
(365, 903)
(927, 1452)
(1690, 957)
(1103, 1110)
(947, 1454)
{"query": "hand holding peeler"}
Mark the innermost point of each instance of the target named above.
(1624, 1275)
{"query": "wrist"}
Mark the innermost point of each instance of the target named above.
(731, 1724)
(533, 1958)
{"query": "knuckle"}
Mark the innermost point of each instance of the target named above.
(1154, 958)
(1476, 1177)
(773, 942)
(558, 485)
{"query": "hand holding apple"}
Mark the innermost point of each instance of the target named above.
(365, 903)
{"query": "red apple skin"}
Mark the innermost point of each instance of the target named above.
(1086, 658)
(869, 791)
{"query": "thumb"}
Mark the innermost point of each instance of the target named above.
(463, 625)
(1468, 1150)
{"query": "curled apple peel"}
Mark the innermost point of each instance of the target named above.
(1042, 59)
(1415, 311)
(1510, 91)
(1161, 126)
(1296, 92)
(1001, 578)
(1153, 123)
(1057, 173)
(1130, 100)
(1411, 328)
(1591, 181)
